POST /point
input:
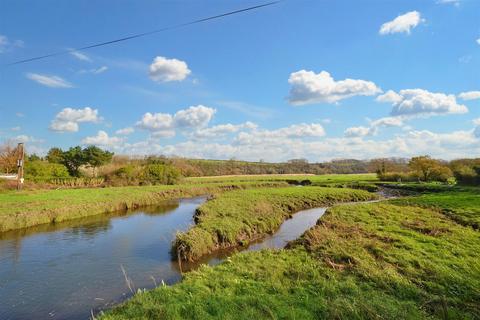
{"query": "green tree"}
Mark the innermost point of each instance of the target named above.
(55, 155)
(96, 157)
(73, 159)
(423, 166)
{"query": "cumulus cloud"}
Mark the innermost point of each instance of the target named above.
(359, 131)
(166, 70)
(23, 138)
(469, 95)
(478, 40)
(374, 126)
(390, 96)
(68, 119)
(295, 131)
(222, 130)
(164, 124)
(403, 23)
(419, 102)
(307, 87)
(102, 139)
(125, 131)
(442, 145)
(49, 81)
(387, 122)
(194, 117)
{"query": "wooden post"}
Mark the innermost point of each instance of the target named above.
(20, 164)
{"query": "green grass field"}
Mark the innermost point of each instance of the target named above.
(29, 208)
(461, 204)
(34, 207)
(364, 261)
(316, 179)
(237, 217)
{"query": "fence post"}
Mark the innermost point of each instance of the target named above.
(20, 164)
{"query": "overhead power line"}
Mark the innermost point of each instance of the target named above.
(139, 35)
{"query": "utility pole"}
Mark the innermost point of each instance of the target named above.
(20, 164)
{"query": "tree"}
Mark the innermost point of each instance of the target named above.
(96, 157)
(8, 158)
(423, 166)
(73, 159)
(55, 155)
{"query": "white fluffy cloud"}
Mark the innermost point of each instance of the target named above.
(307, 87)
(469, 95)
(166, 70)
(387, 122)
(49, 81)
(419, 102)
(359, 132)
(102, 139)
(125, 131)
(372, 130)
(68, 119)
(164, 124)
(156, 121)
(442, 145)
(222, 130)
(277, 136)
(478, 40)
(402, 23)
(194, 117)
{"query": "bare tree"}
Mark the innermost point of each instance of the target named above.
(8, 158)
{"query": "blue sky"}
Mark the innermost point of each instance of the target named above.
(301, 79)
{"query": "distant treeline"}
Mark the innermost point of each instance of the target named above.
(92, 166)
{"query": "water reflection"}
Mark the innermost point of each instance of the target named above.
(64, 270)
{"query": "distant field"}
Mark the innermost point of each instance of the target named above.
(462, 204)
(326, 178)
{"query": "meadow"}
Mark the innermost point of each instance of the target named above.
(362, 261)
(33, 207)
(414, 257)
(238, 217)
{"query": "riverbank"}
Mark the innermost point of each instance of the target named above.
(30, 208)
(235, 218)
(363, 261)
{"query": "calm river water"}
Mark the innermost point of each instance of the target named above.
(67, 270)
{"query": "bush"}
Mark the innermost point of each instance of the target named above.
(466, 174)
(398, 176)
(441, 174)
(45, 170)
(160, 174)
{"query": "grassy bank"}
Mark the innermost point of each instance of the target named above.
(365, 261)
(461, 204)
(237, 217)
(29, 208)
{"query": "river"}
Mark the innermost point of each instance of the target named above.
(69, 270)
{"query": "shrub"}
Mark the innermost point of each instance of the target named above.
(398, 176)
(160, 174)
(44, 170)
